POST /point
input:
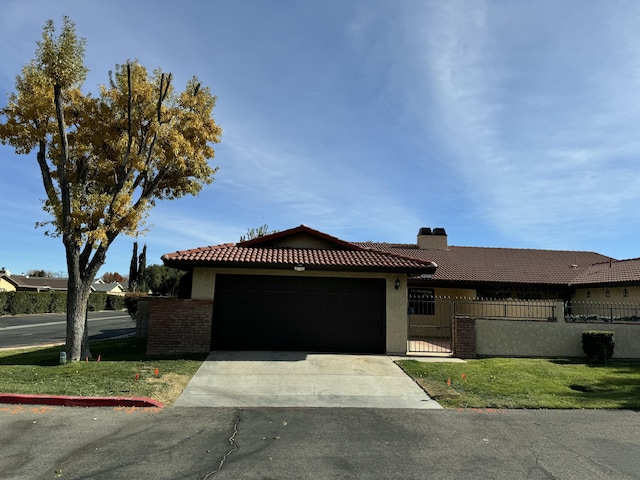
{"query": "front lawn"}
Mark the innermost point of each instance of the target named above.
(124, 370)
(529, 383)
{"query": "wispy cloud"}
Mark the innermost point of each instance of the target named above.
(369, 119)
(536, 133)
(305, 186)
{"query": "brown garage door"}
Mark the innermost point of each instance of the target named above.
(299, 313)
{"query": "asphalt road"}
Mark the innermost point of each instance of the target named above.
(318, 443)
(31, 330)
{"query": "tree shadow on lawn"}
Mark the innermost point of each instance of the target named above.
(128, 349)
(617, 381)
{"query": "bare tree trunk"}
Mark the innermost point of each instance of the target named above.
(86, 351)
(77, 323)
(78, 291)
(77, 334)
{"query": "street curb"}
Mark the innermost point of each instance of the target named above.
(67, 401)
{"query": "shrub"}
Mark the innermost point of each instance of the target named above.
(97, 302)
(598, 345)
(4, 302)
(20, 303)
(25, 303)
(131, 304)
(115, 302)
(58, 302)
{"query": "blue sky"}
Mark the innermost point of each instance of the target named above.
(508, 123)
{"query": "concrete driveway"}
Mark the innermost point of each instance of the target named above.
(295, 379)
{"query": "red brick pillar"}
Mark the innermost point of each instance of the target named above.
(464, 337)
(179, 326)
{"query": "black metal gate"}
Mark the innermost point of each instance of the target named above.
(430, 323)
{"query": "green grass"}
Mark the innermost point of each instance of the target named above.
(37, 371)
(484, 383)
(529, 383)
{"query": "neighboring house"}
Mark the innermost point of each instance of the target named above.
(110, 288)
(26, 283)
(302, 289)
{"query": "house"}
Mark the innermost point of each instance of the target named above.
(481, 272)
(300, 289)
(110, 288)
(305, 290)
(26, 283)
(609, 281)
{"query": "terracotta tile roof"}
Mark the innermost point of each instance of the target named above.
(499, 265)
(610, 272)
(289, 248)
(232, 255)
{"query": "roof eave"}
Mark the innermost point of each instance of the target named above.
(188, 265)
(448, 283)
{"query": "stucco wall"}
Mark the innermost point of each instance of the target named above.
(616, 294)
(203, 288)
(397, 304)
(515, 338)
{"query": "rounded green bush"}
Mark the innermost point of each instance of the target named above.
(598, 344)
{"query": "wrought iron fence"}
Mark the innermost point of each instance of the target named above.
(509, 309)
(430, 317)
(601, 312)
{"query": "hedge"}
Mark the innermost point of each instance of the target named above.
(24, 303)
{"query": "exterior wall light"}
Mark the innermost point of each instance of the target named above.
(299, 268)
(607, 293)
(588, 293)
(397, 285)
(625, 292)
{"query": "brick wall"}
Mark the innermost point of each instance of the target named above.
(142, 316)
(178, 326)
(464, 337)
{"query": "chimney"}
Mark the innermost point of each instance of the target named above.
(436, 240)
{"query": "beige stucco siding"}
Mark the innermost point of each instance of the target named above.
(455, 292)
(203, 283)
(616, 294)
(6, 286)
(203, 288)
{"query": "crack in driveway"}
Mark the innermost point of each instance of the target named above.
(232, 442)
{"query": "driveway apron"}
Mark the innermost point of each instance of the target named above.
(297, 379)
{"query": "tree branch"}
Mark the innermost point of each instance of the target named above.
(63, 160)
(46, 172)
(85, 255)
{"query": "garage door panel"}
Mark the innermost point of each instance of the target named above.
(299, 313)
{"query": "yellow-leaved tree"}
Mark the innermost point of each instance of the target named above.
(106, 159)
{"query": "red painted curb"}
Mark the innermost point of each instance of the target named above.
(66, 401)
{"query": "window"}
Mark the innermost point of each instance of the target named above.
(421, 301)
